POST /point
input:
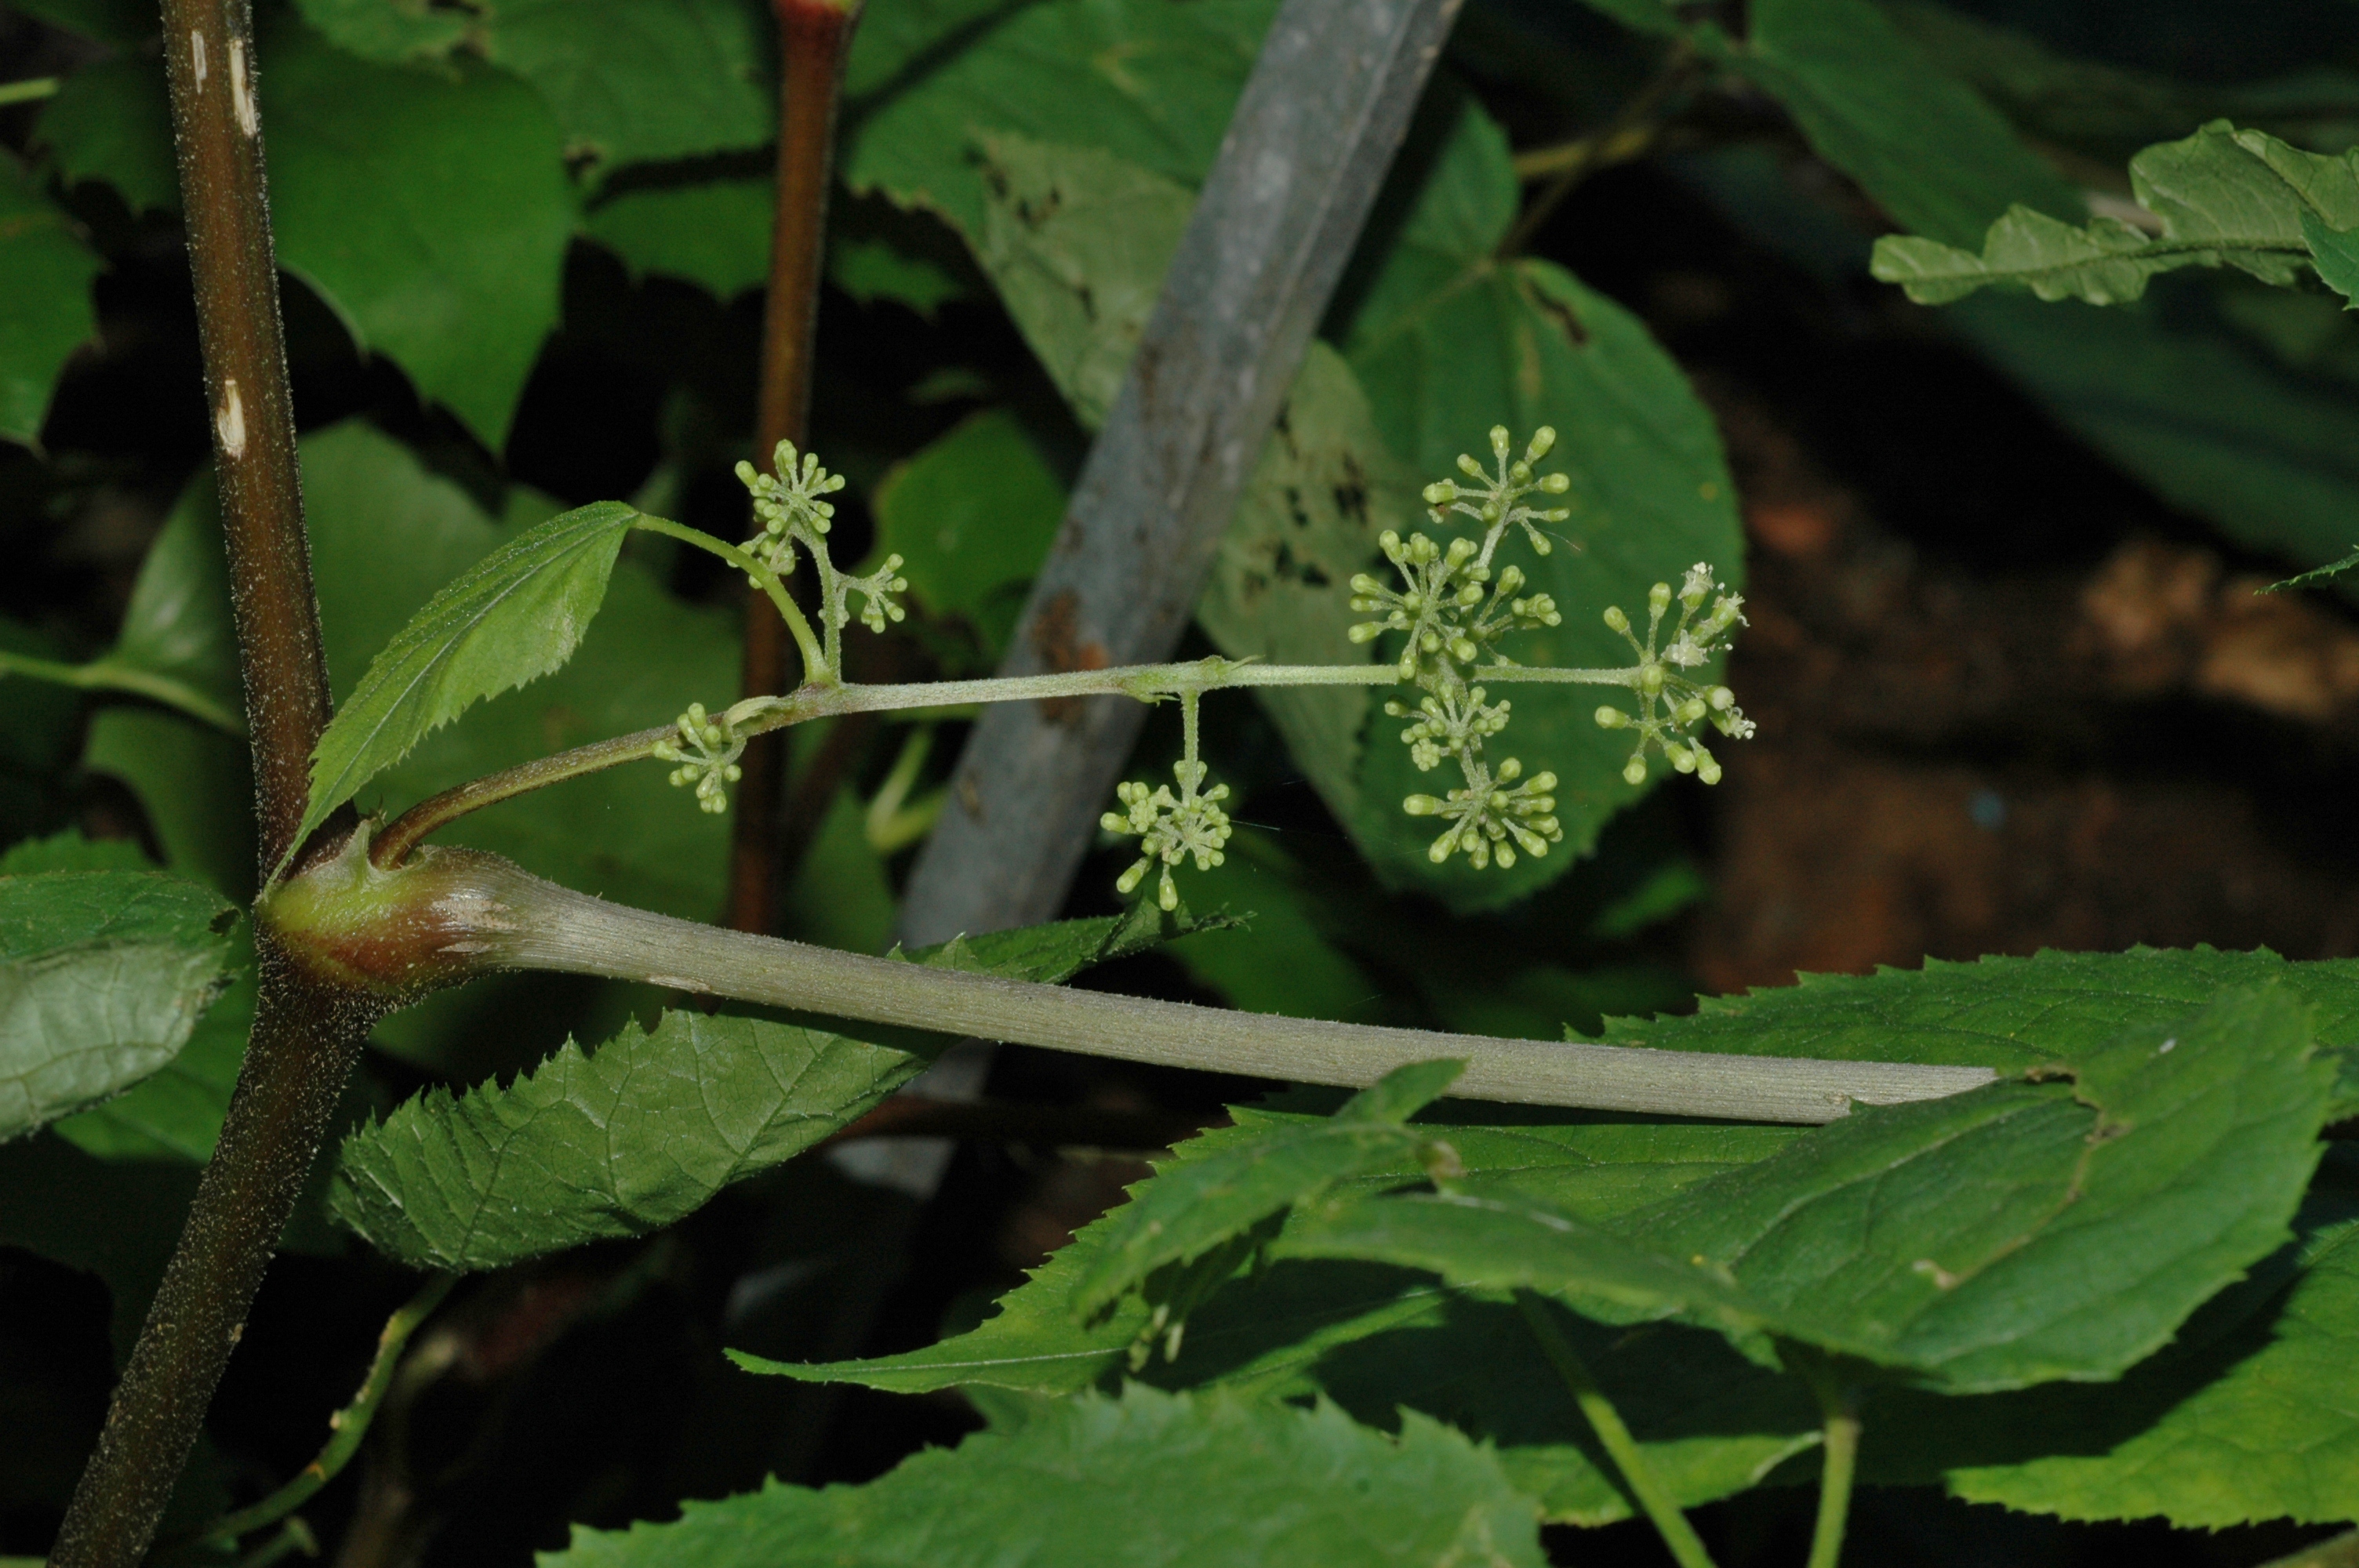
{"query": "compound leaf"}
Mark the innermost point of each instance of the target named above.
(45, 275)
(102, 976)
(646, 1130)
(516, 614)
(2222, 197)
(1092, 1482)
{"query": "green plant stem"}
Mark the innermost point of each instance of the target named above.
(491, 915)
(347, 1427)
(308, 1028)
(102, 675)
(292, 1537)
(30, 90)
(814, 38)
(1686, 1547)
(816, 668)
(757, 716)
(1839, 1401)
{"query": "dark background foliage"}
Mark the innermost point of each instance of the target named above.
(2012, 692)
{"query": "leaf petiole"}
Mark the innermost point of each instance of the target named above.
(1686, 1547)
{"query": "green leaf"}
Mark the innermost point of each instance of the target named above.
(1092, 1481)
(971, 515)
(714, 233)
(2196, 409)
(1325, 488)
(2250, 1422)
(392, 31)
(69, 852)
(1148, 83)
(619, 1143)
(1207, 1201)
(1447, 340)
(45, 275)
(629, 83)
(646, 1131)
(430, 210)
(1920, 141)
(2009, 1014)
(517, 614)
(2009, 1237)
(113, 122)
(896, 36)
(103, 975)
(2332, 569)
(176, 1112)
(1076, 240)
(1278, 1324)
(2220, 198)
(2335, 254)
(118, 1221)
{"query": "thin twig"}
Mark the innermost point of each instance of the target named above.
(1687, 1548)
(2336, 1551)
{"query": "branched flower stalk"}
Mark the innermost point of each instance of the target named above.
(1451, 612)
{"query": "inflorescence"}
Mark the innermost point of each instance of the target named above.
(1169, 829)
(1450, 609)
(1670, 705)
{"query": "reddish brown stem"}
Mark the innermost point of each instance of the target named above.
(814, 38)
(306, 1029)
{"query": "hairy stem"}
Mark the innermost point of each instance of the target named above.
(486, 914)
(814, 36)
(1686, 1547)
(308, 1028)
(347, 1427)
(759, 715)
